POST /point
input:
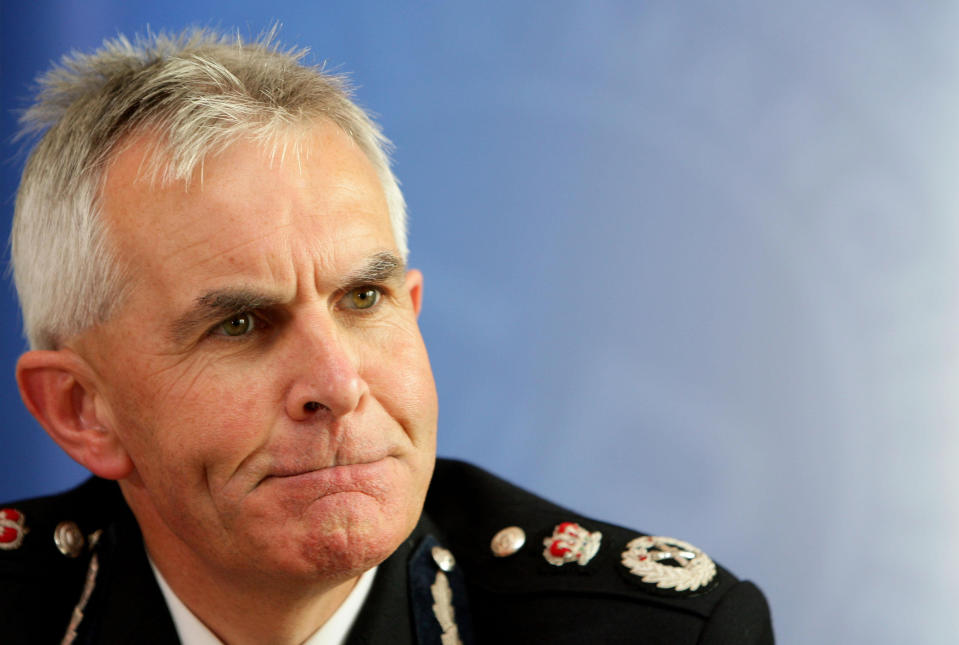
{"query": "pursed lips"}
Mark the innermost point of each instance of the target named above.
(343, 458)
(296, 471)
(361, 474)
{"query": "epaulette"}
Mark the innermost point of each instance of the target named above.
(511, 541)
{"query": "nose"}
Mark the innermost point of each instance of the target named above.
(326, 378)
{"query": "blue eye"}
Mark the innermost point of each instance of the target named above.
(363, 298)
(238, 325)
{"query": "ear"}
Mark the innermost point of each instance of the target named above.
(414, 285)
(58, 389)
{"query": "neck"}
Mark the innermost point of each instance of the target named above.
(274, 627)
(239, 613)
(246, 604)
(240, 618)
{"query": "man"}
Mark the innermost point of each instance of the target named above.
(209, 248)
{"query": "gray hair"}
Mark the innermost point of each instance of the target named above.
(200, 91)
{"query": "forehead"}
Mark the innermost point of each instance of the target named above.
(247, 208)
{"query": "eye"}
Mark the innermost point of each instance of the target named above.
(238, 325)
(362, 298)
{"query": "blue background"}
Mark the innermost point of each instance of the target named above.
(691, 267)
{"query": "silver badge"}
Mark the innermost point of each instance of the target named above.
(668, 563)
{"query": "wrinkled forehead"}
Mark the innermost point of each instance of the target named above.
(312, 187)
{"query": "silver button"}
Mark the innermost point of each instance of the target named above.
(443, 558)
(69, 539)
(508, 541)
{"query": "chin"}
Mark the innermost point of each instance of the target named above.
(346, 537)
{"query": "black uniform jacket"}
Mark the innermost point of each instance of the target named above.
(107, 593)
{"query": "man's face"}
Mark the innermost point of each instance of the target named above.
(266, 372)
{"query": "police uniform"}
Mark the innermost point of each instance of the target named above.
(487, 563)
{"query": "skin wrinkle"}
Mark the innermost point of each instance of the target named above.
(200, 243)
(141, 138)
(278, 228)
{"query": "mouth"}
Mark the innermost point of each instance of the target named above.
(366, 476)
(296, 469)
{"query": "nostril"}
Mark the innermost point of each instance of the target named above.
(312, 406)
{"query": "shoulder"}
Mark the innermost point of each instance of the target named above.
(559, 571)
(45, 548)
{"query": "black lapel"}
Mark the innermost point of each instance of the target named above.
(126, 605)
(399, 609)
(385, 616)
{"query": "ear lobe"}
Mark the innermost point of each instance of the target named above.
(56, 389)
(414, 285)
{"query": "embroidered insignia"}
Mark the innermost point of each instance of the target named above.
(570, 542)
(443, 609)
(668, 563)
(12, 529)
(77, 616)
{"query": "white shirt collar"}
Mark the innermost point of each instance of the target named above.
(333, 632)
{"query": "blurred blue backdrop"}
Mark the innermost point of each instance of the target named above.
(691, 267)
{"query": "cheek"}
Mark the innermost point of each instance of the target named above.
(198, 417)
(404, 386)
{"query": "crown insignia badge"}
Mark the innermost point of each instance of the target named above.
(570, 542)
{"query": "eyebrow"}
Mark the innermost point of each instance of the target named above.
(381, 268)
(216, 305)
